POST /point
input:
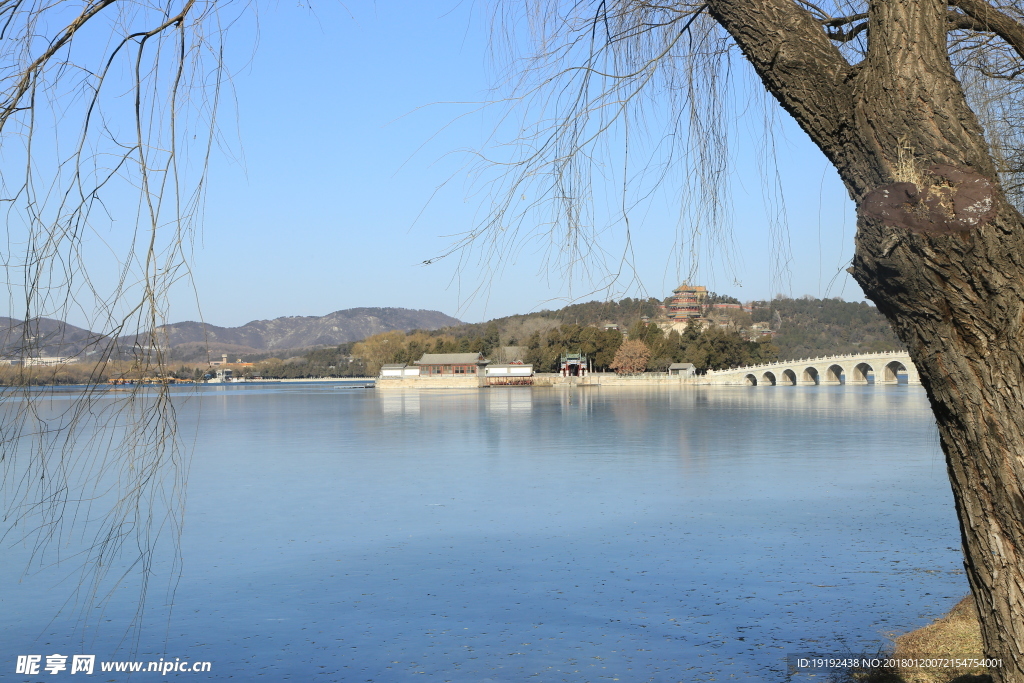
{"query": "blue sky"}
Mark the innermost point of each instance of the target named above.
(345, 167)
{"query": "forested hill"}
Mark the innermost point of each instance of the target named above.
(808, 327)
(803, 328)
(515, 329)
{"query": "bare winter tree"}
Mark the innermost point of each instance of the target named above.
(917, 105)
(106, 120)
(631, 358)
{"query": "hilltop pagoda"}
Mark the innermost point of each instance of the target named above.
(687, 302)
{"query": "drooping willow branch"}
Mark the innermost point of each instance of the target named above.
(106, 126)
(604, 68)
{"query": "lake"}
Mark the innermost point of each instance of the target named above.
(513, 534)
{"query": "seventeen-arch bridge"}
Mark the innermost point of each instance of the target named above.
(885, 367)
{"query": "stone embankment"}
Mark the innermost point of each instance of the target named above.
(610, 379)
(431, 382)
(539, 380)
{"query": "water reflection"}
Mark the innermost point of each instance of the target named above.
(399, 402)
(561, 534)
(509, 400)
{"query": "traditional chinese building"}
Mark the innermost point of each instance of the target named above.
(509, 374)
(457, 364)
(682, 369)
(686, 302)
(573, 365)
(398, 370)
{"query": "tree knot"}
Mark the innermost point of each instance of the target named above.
(947, 200)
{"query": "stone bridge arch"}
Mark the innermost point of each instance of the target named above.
(834, 374)
(863, 373)
(810, 375)
(891, 372)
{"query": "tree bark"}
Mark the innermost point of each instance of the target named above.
(939, 250)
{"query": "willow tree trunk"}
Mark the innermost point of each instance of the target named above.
(939, 250)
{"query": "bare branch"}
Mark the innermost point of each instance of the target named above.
(11, 104)
(846, 36)
(988, 18)
(801, 67)
(842, 21)
(86, 129)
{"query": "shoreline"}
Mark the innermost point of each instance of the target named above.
(954, 635)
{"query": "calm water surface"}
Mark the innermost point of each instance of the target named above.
(552, 535)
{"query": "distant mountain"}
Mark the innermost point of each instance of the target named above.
(44, 337)
(294, 332)
(48, 337)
